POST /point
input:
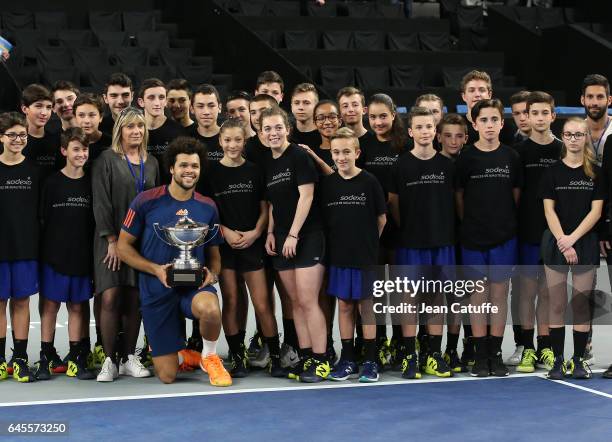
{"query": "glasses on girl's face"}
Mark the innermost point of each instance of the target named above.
(331, 117)
(13, 136)
(575, 135)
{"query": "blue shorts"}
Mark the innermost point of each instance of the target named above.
(345, 283)
(496, 263)
(18, 279)
(433, 263)
(529, 260)
(163, 320)
(63, 288)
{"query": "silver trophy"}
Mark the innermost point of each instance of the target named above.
(186, 235)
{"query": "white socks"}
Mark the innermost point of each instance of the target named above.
(210, 348)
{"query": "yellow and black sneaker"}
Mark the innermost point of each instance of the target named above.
(410, 367)
(98, 354)
(300, 367)
(452, 359)
(317, 371)
(21, 371)
(77, 368)
(3, 369)
(437, 366)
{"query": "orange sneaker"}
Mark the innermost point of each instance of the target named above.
(191, 358)
(217, 374)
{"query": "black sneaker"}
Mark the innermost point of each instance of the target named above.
(42, 369)
(497, 366)
(608, 373)
(452, 359)
(480, 368)
(240, 364)
(21, 371)
(558, 370)
(195, 344)
(77, 368)
(317, 371)
(56, 364)
(410, 367)
(579, 369)
(255, 345)
(275, 368)
(301, 365)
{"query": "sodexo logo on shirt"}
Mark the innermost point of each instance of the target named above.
(19, 182)
(350, 198)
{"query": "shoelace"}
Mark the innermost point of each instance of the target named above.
(215, 363)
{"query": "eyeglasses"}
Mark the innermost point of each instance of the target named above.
(331, 117)
(577, 135)
(13, 136)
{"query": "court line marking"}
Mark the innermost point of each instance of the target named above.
(580, 387)
(323, 386)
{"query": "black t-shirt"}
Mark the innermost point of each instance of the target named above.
(325, 155)
(351, 208)
(68, 224)
(96, 148)
(255, 152)
(377, 157)
(238, 192)
(535, 159)
(426, 200)
(106, 125)
(159, 139)
(19, 199)
(311, 139)
(45, 153)
(489, 210)
(573, 191)
(283, 176)
(214, 152)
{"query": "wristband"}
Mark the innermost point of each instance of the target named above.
(292, 236)
(270, 233)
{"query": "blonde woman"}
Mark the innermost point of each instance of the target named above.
(573, 194)
(119, 174)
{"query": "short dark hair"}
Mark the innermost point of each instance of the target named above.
(264, 97)
(478, 76)
(452, 119)
(118, 79)
(305, 87)
(186, 145)
(495, 103)
(207, 89)
(87, 98)
(238, 95)
(148, 84)
(519, 97)
(10, 119)
(73, 134)
(35, 92)
(324, 102)
(541, 97)
(419, 111)
(63, 85)
(348, 91)
(429, 97)
(595, 80)
(269, 77)
(179, 84)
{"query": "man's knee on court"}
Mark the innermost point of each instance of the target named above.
(205, 308)
(166, 375)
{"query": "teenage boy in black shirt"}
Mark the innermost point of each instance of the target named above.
(520, 115)
(19, 198)
(423, 182)
(270, 83)
(64, 94)
(352, 110)
(206, 107)
(354, 209)
(42, 147)
(162, 130)
(119, 93)
(179, 102)
(538, 152)
(88, 110)
(66, 274)
(237, 106)
(304, 98)
(489, 178)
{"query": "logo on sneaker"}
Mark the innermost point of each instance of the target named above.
(182, 212)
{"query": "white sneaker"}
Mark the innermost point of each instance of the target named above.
(262, 359)
(133, 367)
(108, 372)
(516, 357)
(289, 357)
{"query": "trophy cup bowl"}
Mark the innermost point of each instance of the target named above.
(185, 235)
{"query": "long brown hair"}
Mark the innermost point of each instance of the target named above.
(588, 162)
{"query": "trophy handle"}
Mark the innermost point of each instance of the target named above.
(155, 229)
(218, 227)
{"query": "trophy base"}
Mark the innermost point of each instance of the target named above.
(185, 277)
